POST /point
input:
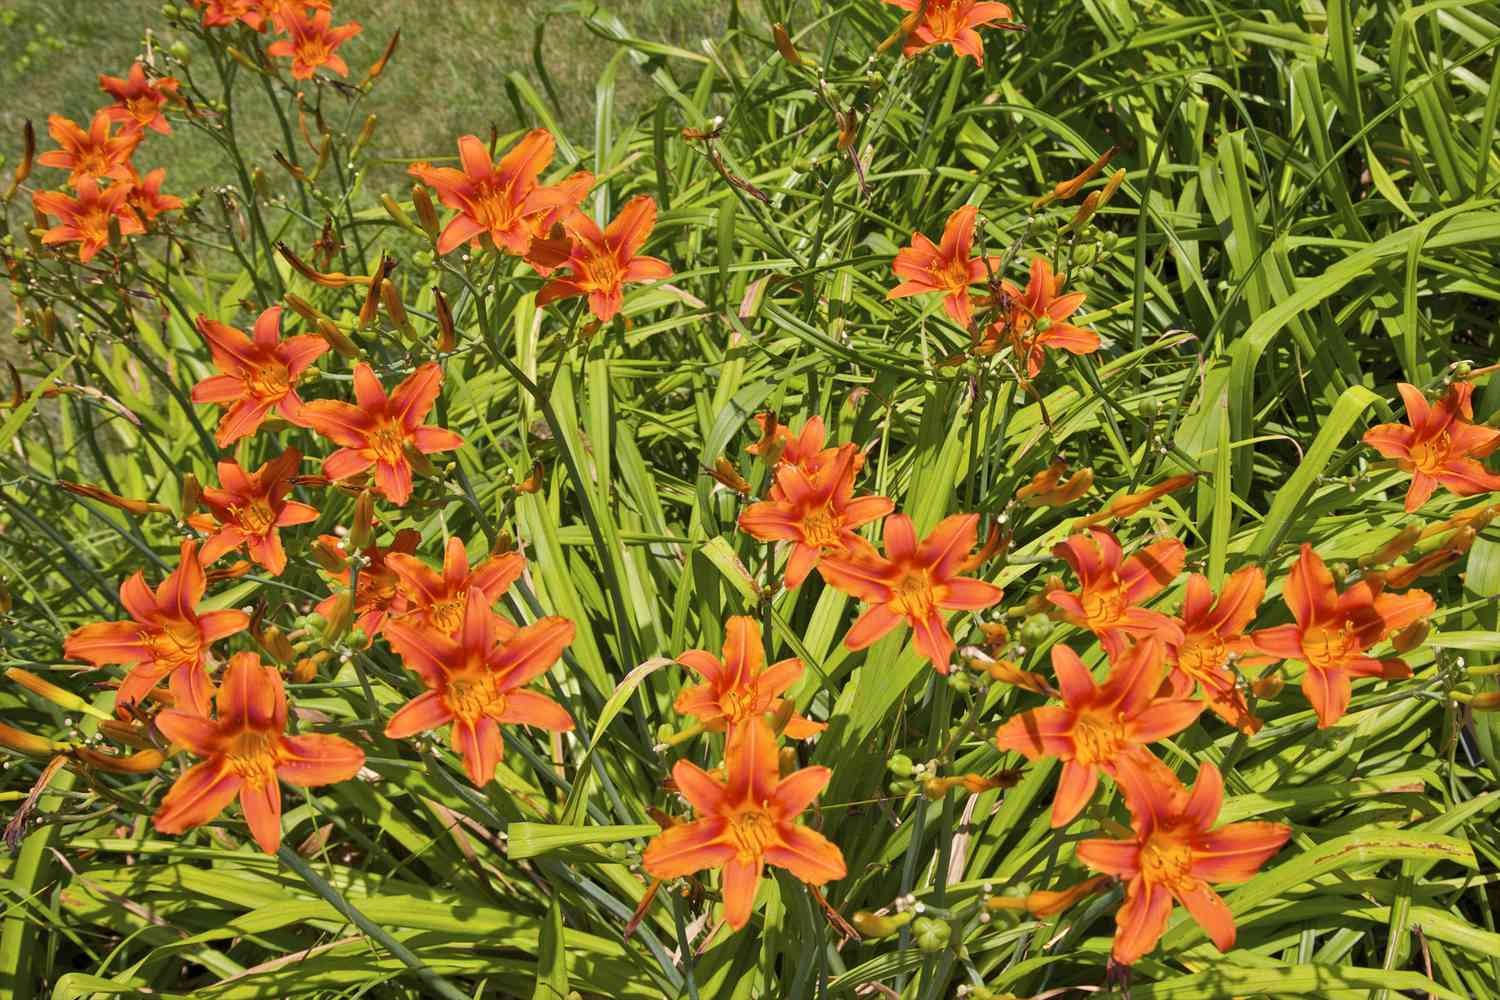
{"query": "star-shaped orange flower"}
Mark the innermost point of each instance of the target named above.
(1112, 588)
(952, 22)
(1440, 445)
(139, 101)
(86, 219)
(98, 154)
(256, 376)
(1037, 319)
(249, 509)
(313, 43)
(437, 600)
(602, 262)
(1213, 630)
(378, 595)
(740, 686)
(945, 269)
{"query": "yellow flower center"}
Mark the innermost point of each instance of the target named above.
(143, 109)
(448, 615)
(1325, 646)
(953, 276)
(1098, 737)
(1428, 456)
(751, 832)
(472, 696)
(493, 206)
(256, 517)
(821, 527)
(737, 703)
(1166, 858)
(178, 642)
(945, 18)
(601, 272)
(1202, 654)
(1104, 603)
(269, 380)
(93, 224)
(914, 594)
(253, 755)
(313, 50)
(388, 441)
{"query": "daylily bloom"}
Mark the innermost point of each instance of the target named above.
(925, 267)
(224, 13)
(313, 43)
(98, 154)
(550, 244)
(378, 431)
(602, 262)
(437, 600)
(746, 822)
(378, 595)
(740, 686)
(1176, 854)
(138, 101)
(277, 12)
(1333, 630)
(86, 219)
(1440, 445)
(255, 376)
(1212, 631)
(1112, 587)
(501, 200)
(476, 681)
(249, 510)
(247, 753)
(913, 583)
(1100, 728)
(1036, 319)
(146, 198)
(817, 513)
(166, 636)
(952, 22)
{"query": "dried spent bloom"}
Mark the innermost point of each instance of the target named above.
(313, 43)
(436, 600)
(1112, 588)
(98, 154)
(247, 754)
(818, 514)
(740, 686)
(746, 822)
(476, 680)
(912, 584)
(1099, 728)
(1037, 319)
(256, 375)
(1440, 445)
(378, 596)
(946, 269)
(378, 430)
(1176, 854)
(501, 200)
(602, 262)
(139, 102)
(951, 22)
(1213, 630)
(248, 510)
(1333, 630)
(86, 219)
(165, 637)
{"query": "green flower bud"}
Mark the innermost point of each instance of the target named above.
(900, 765)
(180, 51)
(1035, 631)
(931, 935)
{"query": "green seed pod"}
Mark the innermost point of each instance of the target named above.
(1035, 631)
(931, 935)
(900, 765)
(180, 51)
(962, 683)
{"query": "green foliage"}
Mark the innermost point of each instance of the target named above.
(1309, 216)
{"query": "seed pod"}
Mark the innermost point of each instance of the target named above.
(362, 530)
(366, 133)
(340, 616)
(336, 339)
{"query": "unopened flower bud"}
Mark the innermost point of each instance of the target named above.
(873, 925)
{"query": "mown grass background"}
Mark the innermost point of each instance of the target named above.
(1309, 216)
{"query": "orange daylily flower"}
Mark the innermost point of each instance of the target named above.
(1440, 445)
(437, 600)
(98, 154)
(165, 636)
(1036, 319)
(1048, 488)
(1175, 855)
(740, 686)
(255, 376)
(313, 42)
(501, 200)
(1213, 630)
(952, 22)
(138, 101)
(476, 681)
(913, 583)
(602, 262)
(224, 13)
(378, 431)
(145, 195)
(817, 513)
(378, 596)
(1113, 587)
(1333, 630)
(276, 12)
(249, 510)
(86, 219)
(746, 822)
(925, 267)
(1100, 728)
(247, 753)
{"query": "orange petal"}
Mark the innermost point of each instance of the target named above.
(262, 806)
(197, 797)
(313, 759)
(807, 854)
(688, 847)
